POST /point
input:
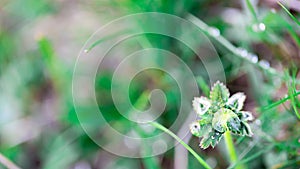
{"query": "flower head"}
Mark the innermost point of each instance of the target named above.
(218, 114)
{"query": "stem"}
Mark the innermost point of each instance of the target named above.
(230, 149)
(7, 163)
(200, 160)
(277, 103)
(288, 12)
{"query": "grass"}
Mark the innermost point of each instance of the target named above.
(36, 75)
(198, 158)
(289, 13)
(7, 163)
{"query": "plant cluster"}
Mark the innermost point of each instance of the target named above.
(219, 114)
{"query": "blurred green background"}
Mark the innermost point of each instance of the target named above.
(41, 39)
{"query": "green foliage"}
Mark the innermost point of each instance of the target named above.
(39, 127)
(219, 114)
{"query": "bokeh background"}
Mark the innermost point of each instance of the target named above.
(41, 39)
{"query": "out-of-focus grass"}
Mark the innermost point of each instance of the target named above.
(38, 123)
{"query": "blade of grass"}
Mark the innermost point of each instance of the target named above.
(251, 157)
(7, 163)
(106, 38)
(252, 10)
(141, 104)
(286, 164)
(291, 92)
(226, 44)
(200, 160)
(203, 85)
(294, 35)
(277, 103)
(289, 13)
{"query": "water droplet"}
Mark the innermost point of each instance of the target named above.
(217, 134)
(259, 27)
(253, 57)
(241, 51)
(214, 31)
(258, 122)
(212, 137)
(86, 51)
(264, 64)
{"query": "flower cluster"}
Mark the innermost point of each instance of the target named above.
(220, 113)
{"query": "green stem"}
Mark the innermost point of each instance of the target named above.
(231, 150)
(289, 13)
(200, 160)
(277, 103)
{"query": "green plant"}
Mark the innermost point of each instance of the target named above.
(199, 159)
(219, 114)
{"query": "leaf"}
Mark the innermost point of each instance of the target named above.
(246, 129)
(201, 127)
(289, 13)
(219, 94)
(251, 9)
(215, 138)
(195, 129)
(234, 124)
(211, 139)
(201, 105)
(219, 121)
(245, 116)
(205, 142)
(236, 101)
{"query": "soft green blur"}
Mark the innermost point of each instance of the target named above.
(41, 39)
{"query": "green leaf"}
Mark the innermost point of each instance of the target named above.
(205, 142)
(215, 137)
(195, 129)
(245, 116)
(289, 13)
(219, 94)
(251, 9)
(236, 101)
(211, 139)
(234, 124)
(201, 105)
(205, 129)
(220, 119)
(246, 129)
(201, 127)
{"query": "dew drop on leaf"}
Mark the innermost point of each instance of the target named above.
(242, 52)
(264, 64)
(259, 27)
(214, 31)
